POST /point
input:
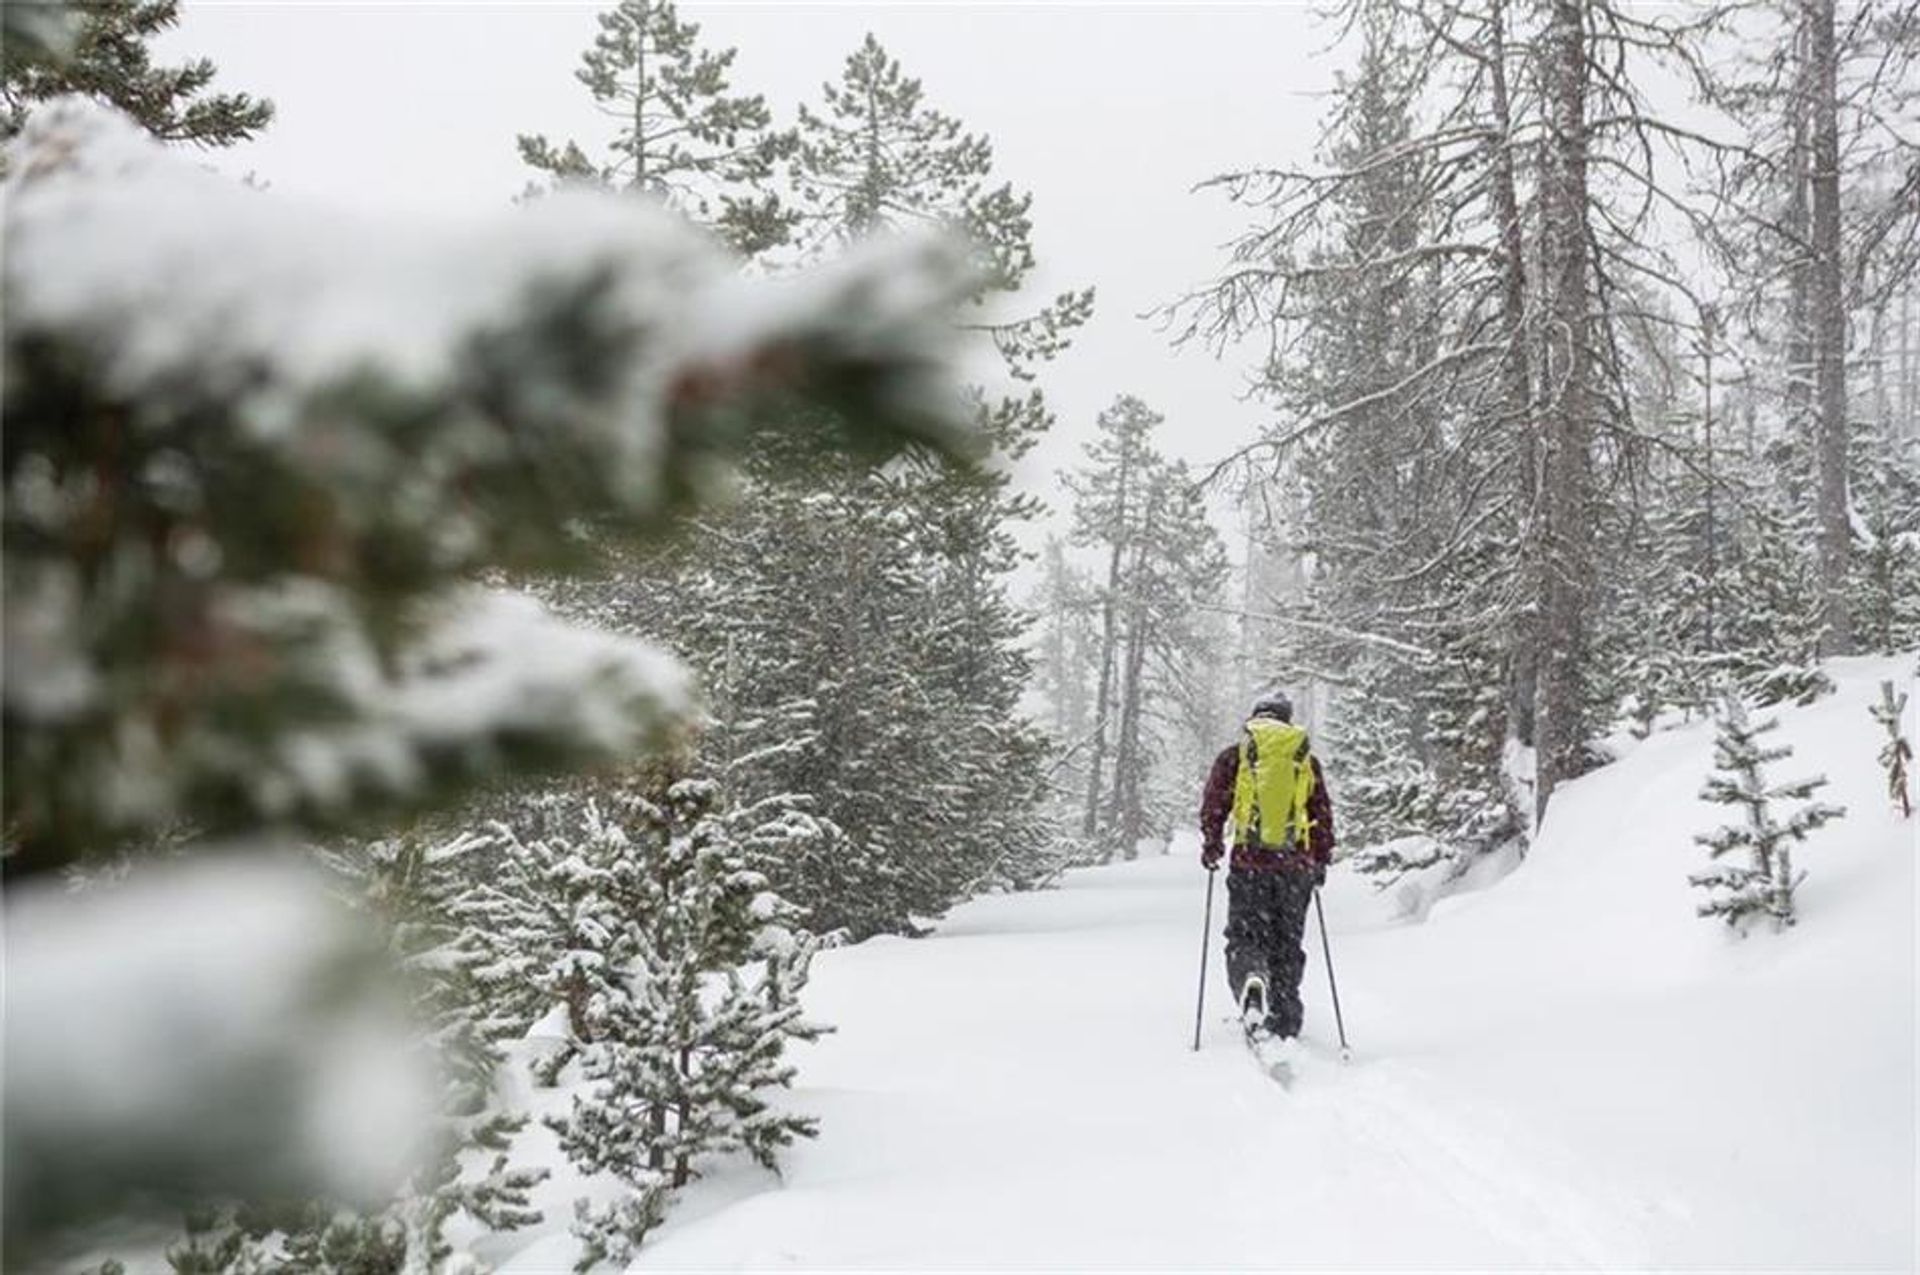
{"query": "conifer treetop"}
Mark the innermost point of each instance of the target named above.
(684, 136)
(876, 156)
(101, 52)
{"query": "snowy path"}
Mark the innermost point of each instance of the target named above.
(1020, 1091)
(1566, 1070)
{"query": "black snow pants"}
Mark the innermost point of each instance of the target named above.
(1266, 925)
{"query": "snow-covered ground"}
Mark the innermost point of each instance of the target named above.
(1565, 1069)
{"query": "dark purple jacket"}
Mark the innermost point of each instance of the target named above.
(1216, 810)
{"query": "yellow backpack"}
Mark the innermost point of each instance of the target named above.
(1271, 791)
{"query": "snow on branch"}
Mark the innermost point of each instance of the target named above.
(255, 449)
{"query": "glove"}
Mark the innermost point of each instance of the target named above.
(1319, 873)
(1210, 857)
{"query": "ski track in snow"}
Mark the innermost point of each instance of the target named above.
(1514, 1196)
(1565, 1070)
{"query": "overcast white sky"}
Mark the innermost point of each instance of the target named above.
(1108, 113)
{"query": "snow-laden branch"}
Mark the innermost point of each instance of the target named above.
(254, 446)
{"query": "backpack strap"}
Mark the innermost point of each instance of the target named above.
(1299, 821)
(1253, 830)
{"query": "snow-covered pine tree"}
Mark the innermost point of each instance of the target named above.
(1885, 590)
(1165, 659)
(103, 52)
(1810, 88)
(876, 155)
(1474, 807)
(1066, 606)
(1481, 200)
(802, 610)
(1717, 584)
(855, 622)
(1064, 609)
(212, 1245)
(1765, 884)
(1383, 789)
(1159, 560)
(684, 136)
(1896, 755)
(1105, 512)
(472, 997)
(1678, 568)
(1191, 707)
(1666, 601)
(1771, 642)
(1383, 483)
(678, 976)
(473, 1004)
(1402, 486)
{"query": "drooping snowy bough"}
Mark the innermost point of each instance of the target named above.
(256, 457)
(251, 449)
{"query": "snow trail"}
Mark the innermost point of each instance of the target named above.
(1020, 1090)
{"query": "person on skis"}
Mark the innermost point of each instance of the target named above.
(1267, 790)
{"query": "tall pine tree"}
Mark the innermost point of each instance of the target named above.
(1159, 560)
(682, 135)
(855, 624)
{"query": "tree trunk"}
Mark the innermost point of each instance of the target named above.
(1127, 762)
(1568, 410)
(1523, 679)
(1709, 334)
(683, 1113)
(1799, 228)
(640, 103)
(1877, 366)
(1126, 757)
(1909, 390)
(576, 998)
(1828, 314)
(1103, 697)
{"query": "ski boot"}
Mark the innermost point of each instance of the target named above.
(1253, 1008)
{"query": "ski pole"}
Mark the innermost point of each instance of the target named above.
(1332, 986)
(1206, 931)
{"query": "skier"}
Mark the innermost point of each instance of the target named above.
(1270, 789)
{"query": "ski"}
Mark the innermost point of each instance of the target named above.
(1273, 1055)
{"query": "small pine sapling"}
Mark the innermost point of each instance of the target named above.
(1897, 752)
(474, 1005)
(678, 974)
(473, 996)
(1766, 883)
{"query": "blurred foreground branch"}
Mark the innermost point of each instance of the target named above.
(254, 459)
